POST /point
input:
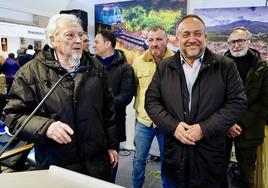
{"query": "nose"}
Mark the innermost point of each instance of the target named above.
(192, 38)
(154, 43)
(78, 39)
(236, 44)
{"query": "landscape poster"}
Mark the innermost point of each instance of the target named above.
(219, 22)
(130, 22)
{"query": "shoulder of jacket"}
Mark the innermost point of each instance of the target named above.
(263, 63)
(222, 59)
(139, 58)
(95, 62)
(32, 64)
(138, 61)
(168, 62)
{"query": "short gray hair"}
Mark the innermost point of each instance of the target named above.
(55, 21)
(249, 35)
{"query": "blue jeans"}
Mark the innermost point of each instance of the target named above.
(143, 140)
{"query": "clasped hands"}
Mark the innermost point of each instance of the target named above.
(188, 134)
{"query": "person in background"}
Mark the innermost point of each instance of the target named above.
(2, 59)
(248, 133)
(9, 68)
(20, 56)
(85, 44)
(145, 130)
(26, 55)
(75, 128)
(30, 51)
(195, 96)
(121, 79)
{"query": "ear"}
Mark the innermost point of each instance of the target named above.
(177, 41)
(167, 39)
(108, 43)
(52, 41)
(206, 38)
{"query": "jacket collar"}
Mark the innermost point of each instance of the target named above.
(208, 59)
(252, 55)
(119, 58)
(148, 57)
(47, 57)
(256, 65)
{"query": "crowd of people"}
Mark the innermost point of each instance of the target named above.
(12, 64)
(195, 102)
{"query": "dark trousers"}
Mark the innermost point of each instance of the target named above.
(246, 159)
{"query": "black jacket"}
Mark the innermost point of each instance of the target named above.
(218, 100)
(256, 86)
(122, 81)
(84, 103)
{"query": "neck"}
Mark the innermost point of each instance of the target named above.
(159, 57)
(65, 62)
(108, 53)
(189, 61)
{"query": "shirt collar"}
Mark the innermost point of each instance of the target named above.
(200, 60)
(76, 65)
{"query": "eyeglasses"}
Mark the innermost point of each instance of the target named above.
(240, 42)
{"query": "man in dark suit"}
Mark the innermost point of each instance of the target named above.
(195, 96)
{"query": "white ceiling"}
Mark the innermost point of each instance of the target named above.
(45, 8)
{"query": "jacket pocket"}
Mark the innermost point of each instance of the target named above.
(143, 77)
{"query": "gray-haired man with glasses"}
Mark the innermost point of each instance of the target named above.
(248, 133)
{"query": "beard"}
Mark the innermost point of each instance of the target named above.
(158, 53)
(75, 58)
(240, 53)
(193, 54)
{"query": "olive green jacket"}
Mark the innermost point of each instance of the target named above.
(254, 119)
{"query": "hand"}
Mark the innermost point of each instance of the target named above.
(113, 156)
(234, 131)
(60, 132)
(196, 132)
(182, 135)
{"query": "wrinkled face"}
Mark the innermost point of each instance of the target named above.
(85, 43)
(191, 38)
(157, 42)
(100, 45)
(238, 43)
(68, 41)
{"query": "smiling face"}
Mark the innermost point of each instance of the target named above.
(191, 38)
(238, 43)
(68, 41)
(157, 41)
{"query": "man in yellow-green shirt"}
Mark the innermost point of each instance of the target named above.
(144, 68)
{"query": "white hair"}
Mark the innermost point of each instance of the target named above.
(248, 33)
(54, 23)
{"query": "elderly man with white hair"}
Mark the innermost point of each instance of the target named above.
(75, 128)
